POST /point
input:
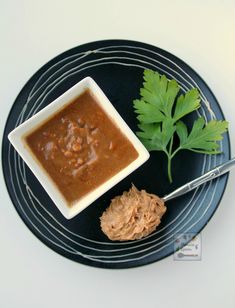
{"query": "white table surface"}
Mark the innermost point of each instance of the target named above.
(200, 32)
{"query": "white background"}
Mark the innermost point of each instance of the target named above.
(202, 34)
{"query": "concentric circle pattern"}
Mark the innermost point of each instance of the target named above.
(117, 66)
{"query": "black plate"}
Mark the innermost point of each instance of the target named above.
(117, 66)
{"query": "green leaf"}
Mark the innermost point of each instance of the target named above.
(149, 135)
(186, 104)
(203, 137)
(156, 136)
(168, 129)
(182, 132)
(170, 95)
(159, 112)
(159, 92)
(149, 131)
(147, 113)
(150, 145)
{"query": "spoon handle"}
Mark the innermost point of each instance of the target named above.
(210, 175)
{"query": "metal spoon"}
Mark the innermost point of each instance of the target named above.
(210, 175)
(140, 225)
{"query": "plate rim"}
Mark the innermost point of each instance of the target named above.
(85, 261)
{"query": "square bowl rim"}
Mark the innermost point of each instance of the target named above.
(17, 139)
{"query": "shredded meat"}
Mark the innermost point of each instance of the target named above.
(133, 215)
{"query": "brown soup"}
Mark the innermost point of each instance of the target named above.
(80, 147)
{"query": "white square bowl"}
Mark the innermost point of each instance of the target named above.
(17, 138)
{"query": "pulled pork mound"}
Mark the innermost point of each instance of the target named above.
(133, 215)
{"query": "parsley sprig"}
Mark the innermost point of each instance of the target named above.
(160, 110)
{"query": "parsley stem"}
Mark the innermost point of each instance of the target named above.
(175, 152)
(170, 155)
(170, 146)
(169, 169)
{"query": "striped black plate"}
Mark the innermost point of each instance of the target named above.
(117, 66)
